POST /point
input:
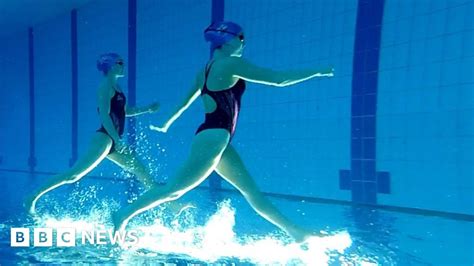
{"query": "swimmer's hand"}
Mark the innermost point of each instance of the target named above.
(162, 129)
(153, 107)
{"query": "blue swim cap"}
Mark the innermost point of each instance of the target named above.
(220, 32)
(107, 61)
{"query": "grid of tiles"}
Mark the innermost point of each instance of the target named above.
(425, 130)
(362, 179)
(295, 140)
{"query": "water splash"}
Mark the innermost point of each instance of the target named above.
(217, 240)
(212, 242)
(150, 152)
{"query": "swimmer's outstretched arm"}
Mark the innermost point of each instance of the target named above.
(191, 96)
(134, 111)
(241, 68)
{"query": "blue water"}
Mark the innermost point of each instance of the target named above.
(381, 155)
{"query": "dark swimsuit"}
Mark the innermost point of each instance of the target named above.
(227, 106)
(117, 114)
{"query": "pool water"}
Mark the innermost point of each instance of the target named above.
(222, 229)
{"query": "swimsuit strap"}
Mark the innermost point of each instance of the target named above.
(208, 69)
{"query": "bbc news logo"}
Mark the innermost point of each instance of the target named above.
(67, 237)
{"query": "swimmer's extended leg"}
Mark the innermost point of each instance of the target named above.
(206, 152)
(130, 162)
(233, 170)
(100, 146)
